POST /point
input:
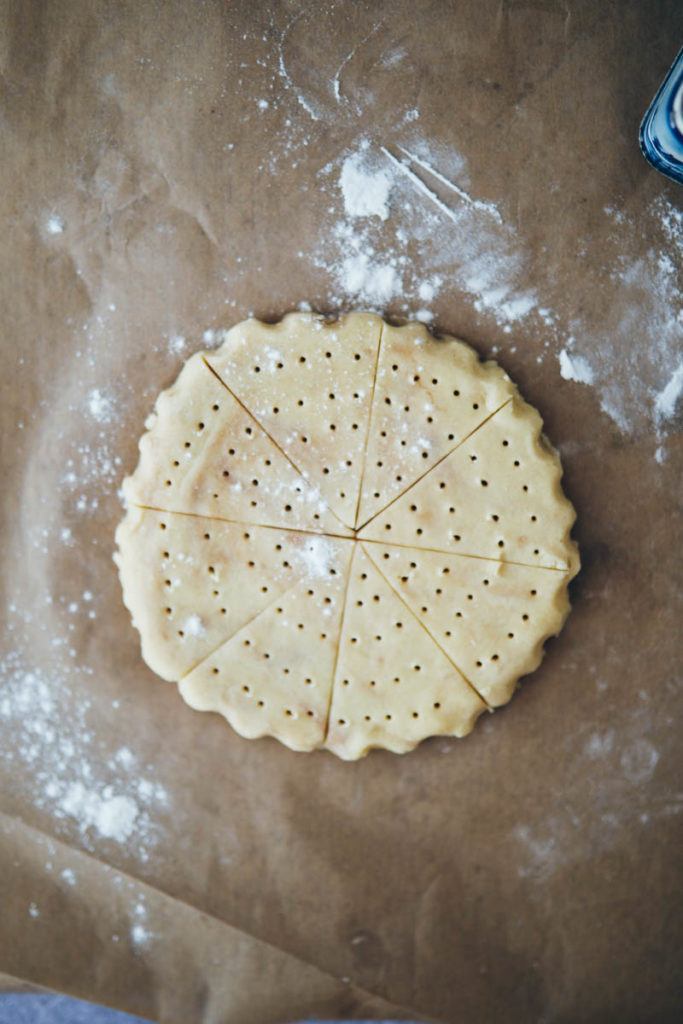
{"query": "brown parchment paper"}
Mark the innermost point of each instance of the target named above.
(168, 169)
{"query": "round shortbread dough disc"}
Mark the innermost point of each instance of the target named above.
(345, 534)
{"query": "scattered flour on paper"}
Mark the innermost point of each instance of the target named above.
(409, 222)
(135, 914)
(47, 723)
(393, 200)
(177, 344)
(416, 197)
(362, 274)
(51, 741)
(365, 187)
(427, 289)
(212, 338)
(575, 368)
(87, 465)
(100, 406)
(90, 463)
(425, 316)
(600, 745)
(628, 760)
(112, 816)
(54, 225)
(639, 761)
(140, 932)
(646, 338)
(668, 398)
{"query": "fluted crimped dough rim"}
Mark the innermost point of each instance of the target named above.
(345, 534)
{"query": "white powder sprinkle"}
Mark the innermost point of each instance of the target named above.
(613, 408)
(414, 197)
(177, 344)
(646, 298)
(68, 876)
(33, 910)
(667, 399)
(372, 280)
(55, 225)
(427, 289)
(317, 555)
(112, 816)
(100, 406)
(574, 367)
(44, 716)
(615, 213)
(540, 850)
(518, 307)
(145, 788)
(148, 791)
(391, 202)
(273, 356)
(90, 464)
(639, 761)
(193, 626)
(139, 934)
(599, 745)
(365, 187)
(125, 757)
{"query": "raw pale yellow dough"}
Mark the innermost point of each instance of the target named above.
(345, 534)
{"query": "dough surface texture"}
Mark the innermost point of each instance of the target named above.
(345, 534)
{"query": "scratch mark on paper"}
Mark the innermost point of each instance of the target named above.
(336, 84)
(639, 761)
(478, 204)
(282, 66)
(420, 185)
